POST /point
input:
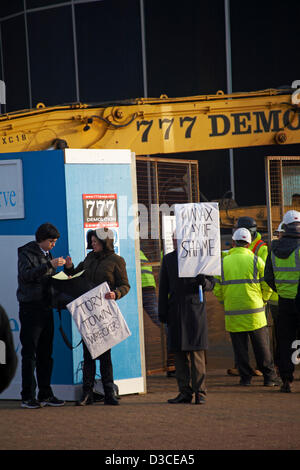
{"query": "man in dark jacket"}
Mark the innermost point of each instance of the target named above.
(35, 268)
(8, 357)
(282, 273)
(183, 309)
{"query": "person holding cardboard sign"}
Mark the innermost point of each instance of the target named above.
(101, 264)
(181, 304)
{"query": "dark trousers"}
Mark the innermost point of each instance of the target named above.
(288, 325)
(274, 313)
(89, 371)
(36, 336)
(190, 372)
(261, 347)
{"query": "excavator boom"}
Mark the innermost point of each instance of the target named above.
(156, 126)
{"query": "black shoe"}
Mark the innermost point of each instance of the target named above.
(271, 383)
(199, 399)
(181, 398)
(245, 383)
(171, 373)
(31, 404)
(97, 397)
(111, 400)
(86, 399)
(286, 387)
(52, 401)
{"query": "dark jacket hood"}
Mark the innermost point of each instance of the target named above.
(31, 247)
(106, 237)
(285, 246)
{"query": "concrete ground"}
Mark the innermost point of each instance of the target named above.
(234, 418)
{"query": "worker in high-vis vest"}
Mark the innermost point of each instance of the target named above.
(242, 289)
(259, 248)
(149, 289)
(273, 304)
(257, 245)
(282, 273)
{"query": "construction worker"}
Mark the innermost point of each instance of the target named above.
(259, 248)
(282, 273)
(148, 289)
(273, 304)
(257, 245)
(242, 288)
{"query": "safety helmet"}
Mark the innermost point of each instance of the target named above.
(291, 222)
(280, 228)
(290, 217)
(242, 234)
(248, 223)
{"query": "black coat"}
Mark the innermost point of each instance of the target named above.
(105, 266)
(34, 275)
(179, 306)
(7, 370)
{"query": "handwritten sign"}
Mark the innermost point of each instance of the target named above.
(99, 321)
(198, 239)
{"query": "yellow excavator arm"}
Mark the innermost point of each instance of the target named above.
(156, 126)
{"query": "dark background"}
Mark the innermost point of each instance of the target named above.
(185, 55)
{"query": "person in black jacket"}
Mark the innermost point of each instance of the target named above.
(35, 268)
(180, 306)
(8, 357)
(282, 274)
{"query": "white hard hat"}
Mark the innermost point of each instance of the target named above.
(279, 228)
(291, 216)
(242, 234)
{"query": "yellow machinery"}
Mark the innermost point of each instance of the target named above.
(157, 126)
(150, 126)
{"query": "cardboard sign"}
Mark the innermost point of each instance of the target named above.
(99, 321)
(198, 239)
(168, 227)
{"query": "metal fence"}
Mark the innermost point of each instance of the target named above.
(283, 188)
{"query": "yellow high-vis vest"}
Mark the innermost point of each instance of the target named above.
(287, 274)
(242, 288)
(147, 276)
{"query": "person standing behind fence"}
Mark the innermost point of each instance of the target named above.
(282, 273)
(180, 307)
(35, 268)
(242, 289)
(100, 265)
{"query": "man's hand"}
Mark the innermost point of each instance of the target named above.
(57, 262)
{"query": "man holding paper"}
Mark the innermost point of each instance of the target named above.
(101, 265)
(36, 266)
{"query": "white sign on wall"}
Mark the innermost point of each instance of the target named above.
(11, 190)
(198, 239)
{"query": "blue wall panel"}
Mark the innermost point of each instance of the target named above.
(105, 179)
(45, 201)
